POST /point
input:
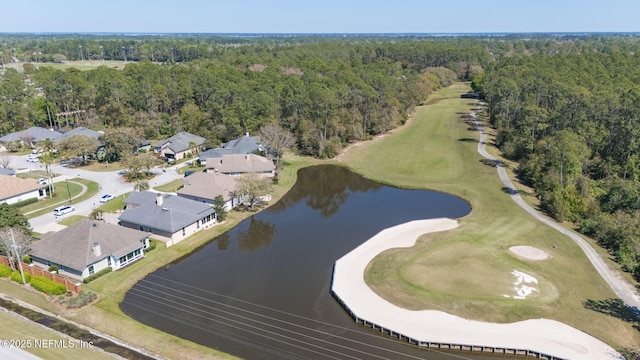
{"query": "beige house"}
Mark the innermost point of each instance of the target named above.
(204, 187)
(180, 146)
(14, 190)
(238, 164)
(88, 247)
(169, 218)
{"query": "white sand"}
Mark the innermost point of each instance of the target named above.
(529, 252)
(540, 335)
(519, 286)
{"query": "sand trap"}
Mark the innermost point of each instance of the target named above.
(539, 335)
(529, 252)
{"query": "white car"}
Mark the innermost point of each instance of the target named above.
(106, 197)
(32, 159)
(42, 181)
(59, 211)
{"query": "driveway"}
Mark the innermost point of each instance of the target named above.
(625, 291)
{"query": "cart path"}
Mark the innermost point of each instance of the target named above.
(625, 291)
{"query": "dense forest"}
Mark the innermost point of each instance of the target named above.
(566, 107)
(572, 121)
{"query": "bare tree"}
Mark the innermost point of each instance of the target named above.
(277, 138)
(4, 160)
(15, 243)
(251, 187)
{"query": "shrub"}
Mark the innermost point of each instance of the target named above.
(53, 268)
(48, 286)
(152, 246)
(5, 271)
(24, 203)
(17, 277)
(96, 275)
(83, 298)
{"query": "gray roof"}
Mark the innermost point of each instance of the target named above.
(72, 247)
(208, 185)
(238, 163)
(174, 214)
(244, 145)
(82, 131)
(36, 134)
(4, 171)
(181, 141)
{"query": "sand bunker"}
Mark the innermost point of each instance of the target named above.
(529, 252)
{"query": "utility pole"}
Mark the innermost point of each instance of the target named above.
(15, 248)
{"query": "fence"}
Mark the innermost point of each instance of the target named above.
(71, 285)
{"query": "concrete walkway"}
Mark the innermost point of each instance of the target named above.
(622, 288)
(429, 326)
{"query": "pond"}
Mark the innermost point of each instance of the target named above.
(261, 290)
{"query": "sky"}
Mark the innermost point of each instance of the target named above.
(325, 16)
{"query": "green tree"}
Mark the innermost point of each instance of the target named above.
(219, 207)
(78, 145)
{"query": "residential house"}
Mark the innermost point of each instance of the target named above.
(87, 247)
(31, 136)
(243, 145)
(82, 131)
(237, 164)
(204, 187)
(14, 190)
(179, 146)
(168, 217)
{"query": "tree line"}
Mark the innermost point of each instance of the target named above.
(327, 94)
(572, 121)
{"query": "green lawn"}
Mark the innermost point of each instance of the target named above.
(62, 191)
(466, 271)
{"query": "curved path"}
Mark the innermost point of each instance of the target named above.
(622, 288)
(540, 336)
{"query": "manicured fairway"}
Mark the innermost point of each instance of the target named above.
(468, 271)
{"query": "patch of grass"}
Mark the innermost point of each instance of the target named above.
(114, 205)
(70, 220)
(464, 271)
(172, 186)
(98, 166)
(62, 196)
(15, 327)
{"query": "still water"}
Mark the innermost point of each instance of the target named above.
(261, 290)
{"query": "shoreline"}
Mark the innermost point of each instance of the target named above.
(538, 336)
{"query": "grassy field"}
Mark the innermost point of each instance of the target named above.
(81, 65)
(15, 327)
(467, 271)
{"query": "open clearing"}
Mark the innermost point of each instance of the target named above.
(437, 150)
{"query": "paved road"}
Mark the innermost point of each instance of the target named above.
(622, 288)
(110, 183)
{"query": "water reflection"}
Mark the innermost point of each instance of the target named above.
(259, 234)
(261, 290)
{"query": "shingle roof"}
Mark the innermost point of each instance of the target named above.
(239, 163)
(243, 145)
(36, 133)
(82, 131)
(174, 214)
(181, 141)
(11, 186)
(72, 247)
(4, 171)
(208, 185)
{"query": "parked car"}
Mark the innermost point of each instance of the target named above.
(42, 181)
(32, 159)
(62, 210)
(106, 197)
(189, 172)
